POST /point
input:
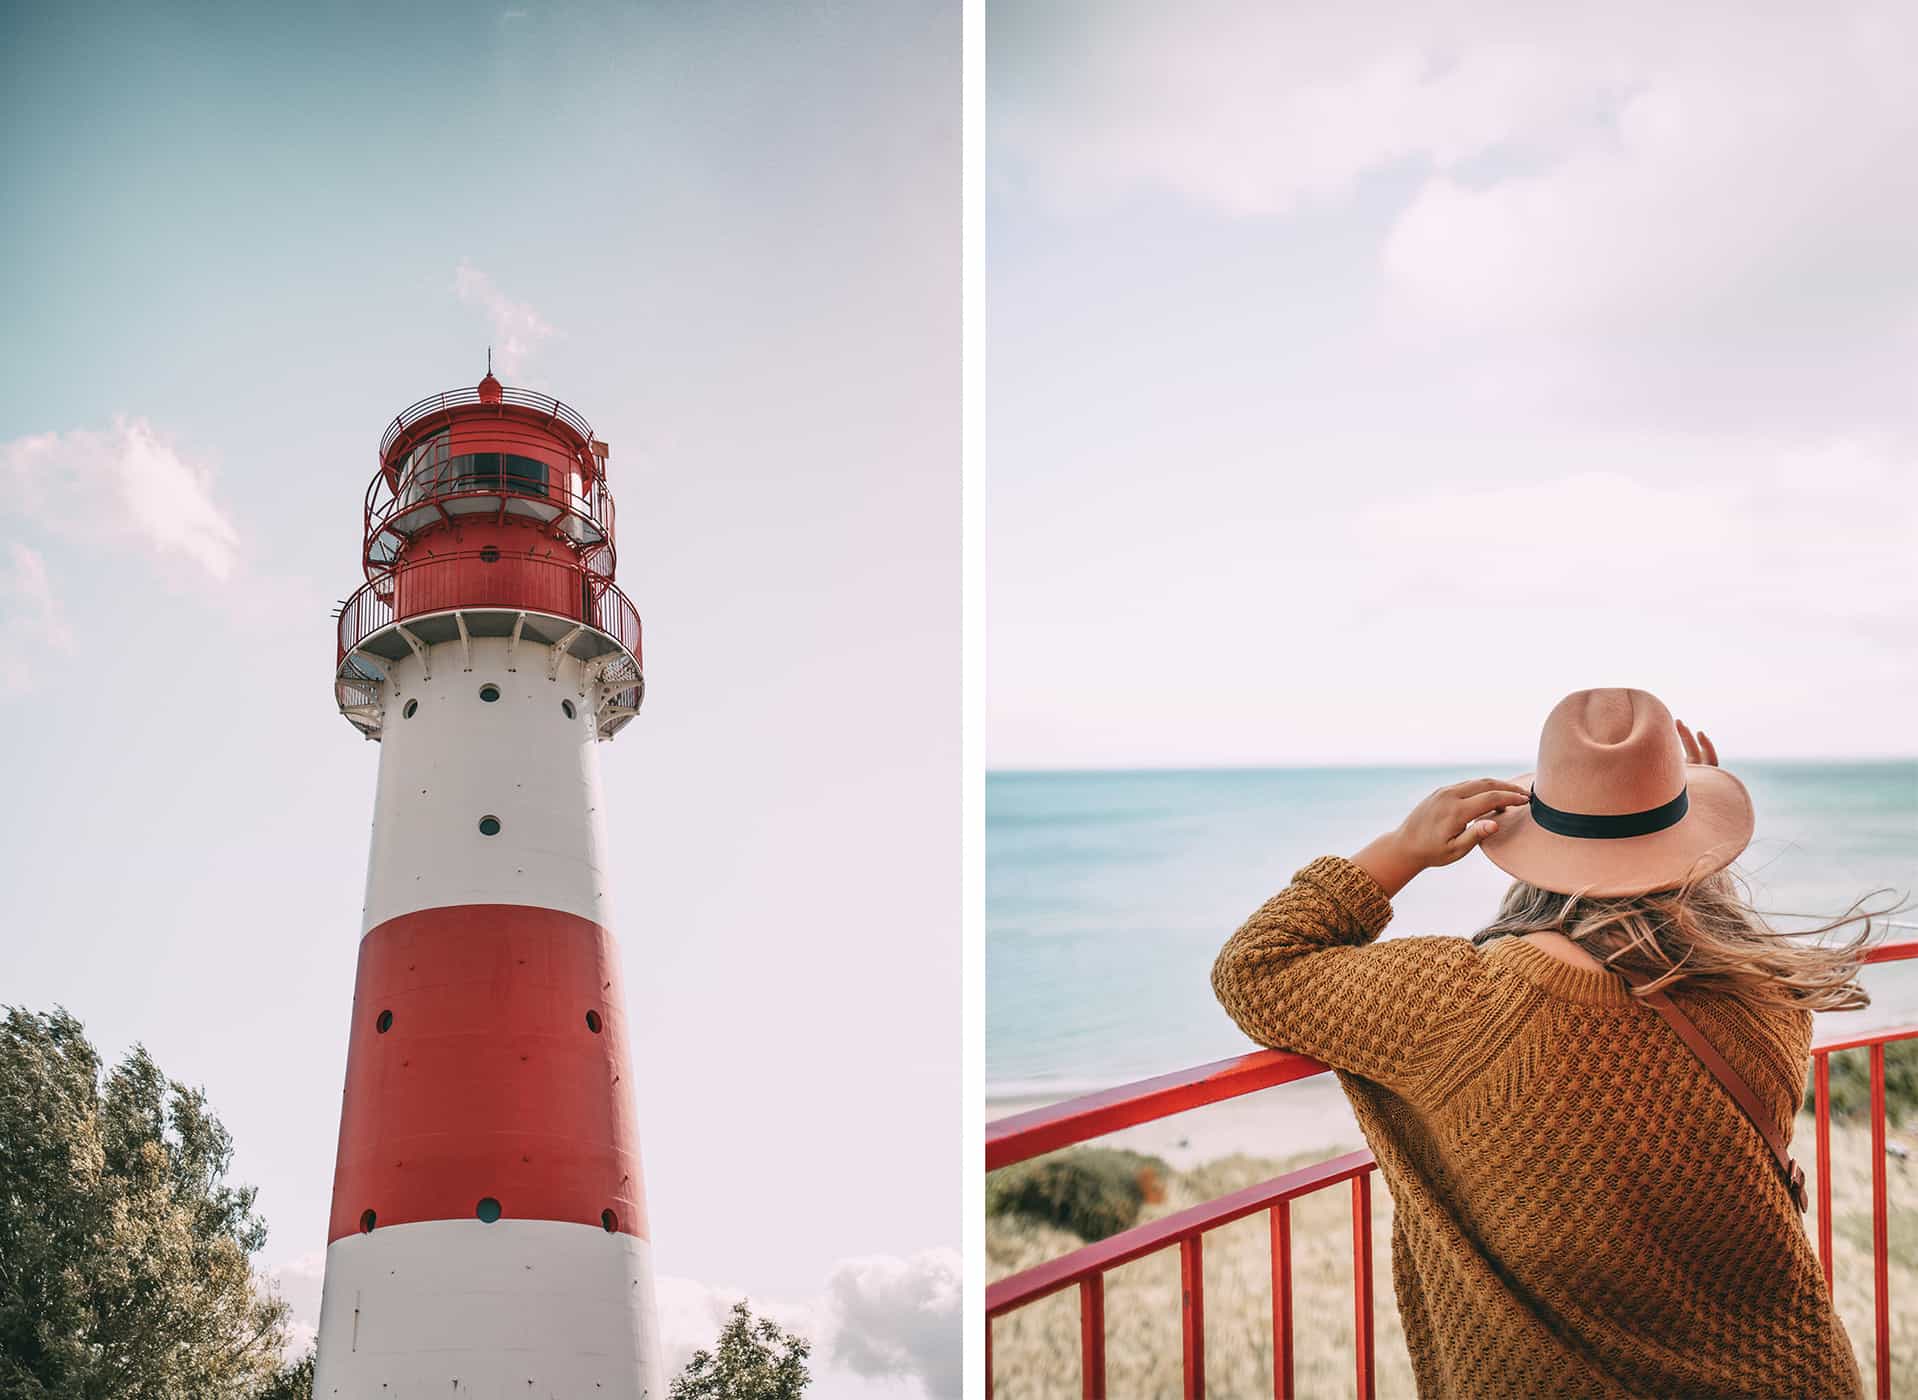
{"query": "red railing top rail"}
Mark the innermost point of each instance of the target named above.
(1867, 1040)
(461, 398)
(1041, 1130)
(1068, 1269)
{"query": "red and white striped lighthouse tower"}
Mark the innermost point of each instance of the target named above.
(488, 1234)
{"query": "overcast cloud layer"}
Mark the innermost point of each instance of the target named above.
(1363, 378)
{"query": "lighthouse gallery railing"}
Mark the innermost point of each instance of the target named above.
(475, 579)
(1027, 1135)
(440, 492)
(435, 404)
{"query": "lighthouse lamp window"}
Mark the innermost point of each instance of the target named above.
(495, 471)
(426, 468)
(432, 470)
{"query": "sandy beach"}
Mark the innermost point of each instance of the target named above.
(1309, 1116)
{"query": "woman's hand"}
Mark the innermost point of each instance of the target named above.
(1697, 750)
(1439, 831)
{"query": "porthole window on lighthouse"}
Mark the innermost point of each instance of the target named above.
(489, 693)
(566, 708)
(487, 1210)
(489, 825)
(385, 1023)
(592, 1022)
(489, 554)
(606, 1219)
(412, 708)
(367, 1221)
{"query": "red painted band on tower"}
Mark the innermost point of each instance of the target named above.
(488, 1081)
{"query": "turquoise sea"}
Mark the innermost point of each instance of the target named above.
(1108, 893)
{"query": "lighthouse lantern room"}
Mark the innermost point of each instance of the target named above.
(488, 1233)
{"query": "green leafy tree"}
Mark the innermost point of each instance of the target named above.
(755, 1360)
(125, 1255)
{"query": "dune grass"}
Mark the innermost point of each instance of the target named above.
(1036, 1350)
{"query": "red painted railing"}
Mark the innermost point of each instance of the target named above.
(570, 505)
(1028, 1135)
(492, 579)
(432, 407)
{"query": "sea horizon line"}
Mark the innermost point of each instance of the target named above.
(1492, 766)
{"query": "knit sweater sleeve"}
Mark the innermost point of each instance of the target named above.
(1303, 974)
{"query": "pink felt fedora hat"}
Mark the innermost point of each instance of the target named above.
(1616, 809)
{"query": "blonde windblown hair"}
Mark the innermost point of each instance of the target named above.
(1705, 935)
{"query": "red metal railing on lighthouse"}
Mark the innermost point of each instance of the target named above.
(469, 579)
(1028, 1135)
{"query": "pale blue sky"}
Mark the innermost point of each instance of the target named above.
(728, 234)
(1363, 378)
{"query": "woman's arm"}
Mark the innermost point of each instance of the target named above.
(1300, 976)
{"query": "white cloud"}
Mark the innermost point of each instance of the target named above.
(1764, 179)
(1257, 109)
(518, 330)
(1818, 535)
(692, 1313)
(128, 482)
(30, 617)
(899, 1317)
(94, 492)
(1704, 213)
(885, 1325)
(301, 1337)
(299, 1281)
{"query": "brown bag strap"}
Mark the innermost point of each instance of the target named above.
(1734, 1085)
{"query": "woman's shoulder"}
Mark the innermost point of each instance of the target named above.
(1764, 1040)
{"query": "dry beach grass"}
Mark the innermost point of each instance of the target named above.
(1036, 1350)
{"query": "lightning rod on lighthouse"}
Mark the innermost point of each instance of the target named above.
(488, 1234)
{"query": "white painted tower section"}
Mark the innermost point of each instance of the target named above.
(426, 1310)
(461, 1307)
(458, 758)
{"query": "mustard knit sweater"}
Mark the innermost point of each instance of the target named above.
(1578, 1208)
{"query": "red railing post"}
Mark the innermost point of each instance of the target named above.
(1282, 1301)
(1092, 1337)
(1821, 1116)
(1880, 1241)
(1192, 1307)
(988, 1359)
(1362, 1281)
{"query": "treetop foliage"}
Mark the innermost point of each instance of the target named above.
(125, 1254)
(755, 1360)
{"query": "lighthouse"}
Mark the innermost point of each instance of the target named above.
(488, 1233)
